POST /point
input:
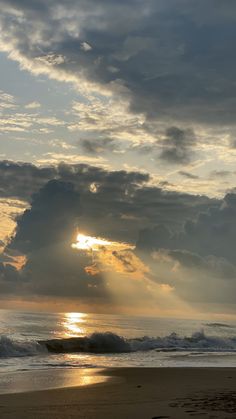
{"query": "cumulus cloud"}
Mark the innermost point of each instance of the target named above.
(185, 248)
(212, 233)
(162, 56)
(44, 234)
(115, 208)
(208, 282)
(117, 203)
(21, 180)
(51, 218)
(199, 262)
(33, 105)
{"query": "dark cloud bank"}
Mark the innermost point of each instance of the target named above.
(187, 242)
(171, 59)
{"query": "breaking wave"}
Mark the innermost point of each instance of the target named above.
(229, 326)
(102, 343)
(14, 348)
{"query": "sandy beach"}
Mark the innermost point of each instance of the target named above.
(134, 393)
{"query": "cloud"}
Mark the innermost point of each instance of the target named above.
(53, 268)
(208, 282)
(21, 180)
(184, 243)
(220, 174)
(44, 234)
(10, 280)
(106, 117)
(199, 261)
(28, 122)
(117, 202)
(178, 145)
(85, 46)
(33, 105)
(185, 248)
(51, 219)
(115, 209)
(4, 257)
(99, 146)
(7, 101)
(163, 55)
(188, 175)
(212, 233)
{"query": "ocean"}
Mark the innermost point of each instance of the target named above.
(31, 342)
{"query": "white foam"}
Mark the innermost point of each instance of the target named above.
(14, 348)
(111, 343)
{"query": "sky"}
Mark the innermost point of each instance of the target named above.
(117, 156)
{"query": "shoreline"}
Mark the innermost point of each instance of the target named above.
(47, 379)
(140, 393)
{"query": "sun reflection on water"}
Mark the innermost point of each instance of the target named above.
(73, 324)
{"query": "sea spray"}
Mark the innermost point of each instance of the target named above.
(16, 348)
(108, 342)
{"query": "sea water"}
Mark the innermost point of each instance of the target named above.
(32, 341)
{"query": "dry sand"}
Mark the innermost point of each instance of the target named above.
(134, 393)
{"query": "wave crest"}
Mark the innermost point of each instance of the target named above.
(14, 348)
(96, 343)
(111, 343)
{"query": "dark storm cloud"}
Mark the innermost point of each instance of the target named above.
(186, 242)
(11, 280)
(44, 234)
(51, 219)
(21, 180)
(172, 59)
(113, 203)
(56, 270)
(212, 234)
(200, 261)
(123, 202)
(178, 145)
(220, 267)
(8, 273)
(196, 279)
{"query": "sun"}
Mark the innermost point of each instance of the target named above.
(94, 244)
(84, 242)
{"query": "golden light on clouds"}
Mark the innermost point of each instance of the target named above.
(9, 208)
(110, 256)
(19, 261)
(84, 242)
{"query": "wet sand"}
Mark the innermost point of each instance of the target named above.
(132, 393)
